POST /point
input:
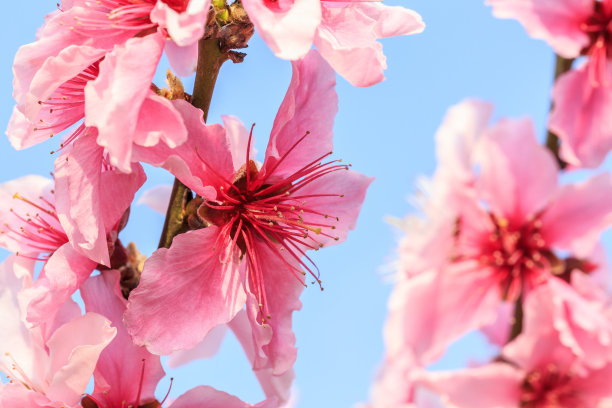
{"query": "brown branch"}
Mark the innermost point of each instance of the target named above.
(210, 60)
(517, 320)
(562, 65)
(553, 143)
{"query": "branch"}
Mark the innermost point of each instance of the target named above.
(562, 65)
(210, 60)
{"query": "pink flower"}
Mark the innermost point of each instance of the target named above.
(51, 364)
(581, 97)
(106, 23)
(93, 61)
(259, 224)
(125, 374)
(511, 229)
(345, 33)
(538, 369)
(33, 229)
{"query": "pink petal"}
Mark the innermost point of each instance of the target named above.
(578, 214)
(278, 386)
(205, 349)
(120, 100)
(518, 175)
(457, 138)
(63, 274)
(208, 397)
(392, 21)
(347, 38)
(539, 344)
(16, 395)
(15, 273)
(74, 351)
(31, 57)
(210, 143)
(310, 105)
(498, 332)
(183, 60)
(498, 386)
(54, 72)
(211, 294)
(158, 120)
(428, 312)
(42, 120)
(274, 339)
(91, 198)
(354, 52)
(121, 363)
(583, 324)
(238, 137)
(157, 198)
(555, 21)
(580, 118)
(183, 28)
(352, 187)
(288, 33)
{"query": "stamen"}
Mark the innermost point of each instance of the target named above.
(142, 371)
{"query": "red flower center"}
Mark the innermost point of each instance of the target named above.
(256, 210)
(548, 387)
(518, 253)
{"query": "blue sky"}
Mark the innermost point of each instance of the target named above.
(385, 131)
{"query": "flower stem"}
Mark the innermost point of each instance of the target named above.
(517, 320)
(210, 59)
(562, 65)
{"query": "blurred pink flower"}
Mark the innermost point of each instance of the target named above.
(259, 224)
(509, 229)
(344, 32)
(535, 370)
(582, 98)
(125, 374)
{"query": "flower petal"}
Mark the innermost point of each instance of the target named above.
(191, 270)
(288, 33)
(518, 175)
(120, 366)
(74, 349)
(580, 118)
(578, 214)
(310, 105)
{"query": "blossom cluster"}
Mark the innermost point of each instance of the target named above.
(504, 248)
(241, 258)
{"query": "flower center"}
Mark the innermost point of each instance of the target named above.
(39, 231)
(597, 27)
(518, 253)
(549, 388)
(253, 210)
